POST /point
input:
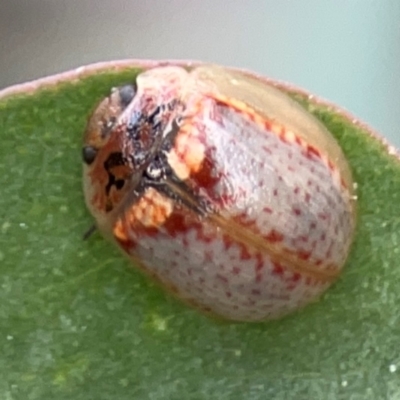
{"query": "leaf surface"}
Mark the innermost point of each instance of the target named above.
(77, 322)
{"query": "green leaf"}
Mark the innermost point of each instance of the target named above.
(77, 322)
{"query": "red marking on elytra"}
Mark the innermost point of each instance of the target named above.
(259, 268)
(244, 253)
(312, 152)
(208, 256)
(274, 236)
(295, 277)
(323, 216)
(296, 211)
(336, 229)
(235, 270)
(278, 269)
(303, 255)
(268, 210)
(202, 236)
(222, 278)
(216, 115)
(293, 281)
(313, 245)
(328, 253)
(225, 200)
(207, 177)
(267, 125)
(228, 242)
(251, 303)
(309, 281)
(267, 149)
(175, 224)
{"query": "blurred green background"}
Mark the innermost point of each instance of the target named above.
(345, 51)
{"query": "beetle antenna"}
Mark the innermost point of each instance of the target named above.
(89, 232)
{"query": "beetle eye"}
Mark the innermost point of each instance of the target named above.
(89, 154)
(126, 94)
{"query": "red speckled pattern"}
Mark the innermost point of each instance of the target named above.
(282, 219)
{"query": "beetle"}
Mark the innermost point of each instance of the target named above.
(222, 188)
